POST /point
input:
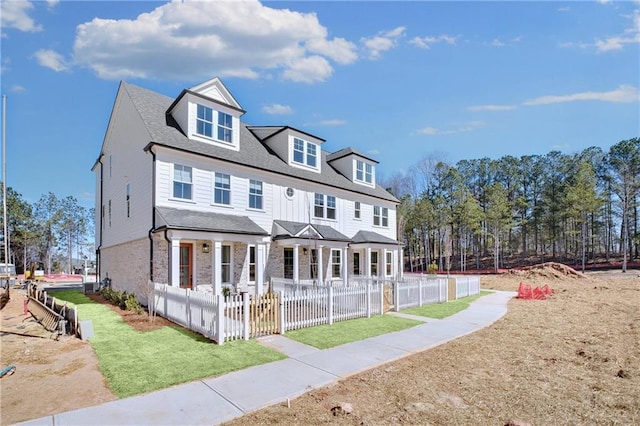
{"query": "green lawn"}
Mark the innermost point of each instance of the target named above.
(443, 310)
(137, 362)
(328, 336)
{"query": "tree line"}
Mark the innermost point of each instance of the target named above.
(580, 208)
(56, 233)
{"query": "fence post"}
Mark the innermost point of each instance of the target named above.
(368, 300)
(187, 312)
(219, 332)
(281, 325)
(245, 316)
(420, 292)
(396, 296)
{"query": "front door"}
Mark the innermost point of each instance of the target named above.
(186, 265)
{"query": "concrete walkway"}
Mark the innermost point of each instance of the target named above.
(213, 401)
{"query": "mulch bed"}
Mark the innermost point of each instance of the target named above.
(139, 322)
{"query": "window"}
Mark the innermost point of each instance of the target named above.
(356, 263)
(389, 263)
(109, 213)
(336, 263)
(204, 121)
(356, 212)
(128, 200)
(222, 191)
(226, 264)
(313, 264)
(374, 263)
(324, 209)
(364, 172)
(182, 182)
(255, 194)
(288, 262)
(305, 152)
(380, 216)
(252, 264)
(225, 127)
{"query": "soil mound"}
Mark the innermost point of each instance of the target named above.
(549, 270)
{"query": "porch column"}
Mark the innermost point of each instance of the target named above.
(384, 262)
(296, 276)
(345, 265)
(216, 265)
(260, 252)
(174, 263)
(401, 263)
(367, 262)
(320, 265)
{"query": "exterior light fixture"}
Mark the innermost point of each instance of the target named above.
(205, 248)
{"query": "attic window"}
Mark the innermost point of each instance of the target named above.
(305, 152)
(214, 124)
(364, 172)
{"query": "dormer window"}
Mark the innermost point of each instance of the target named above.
(205, 120)
(364, 172)
(305, 153)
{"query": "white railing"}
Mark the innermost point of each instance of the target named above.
(419, 291)
(326, 305)
(467, 286)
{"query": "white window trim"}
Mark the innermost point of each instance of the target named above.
(305, 154)
(339, 252)
(173, 180)
(255, 263)
(365, 165)
(261, 195)
(325, 206)
(357, 210)
(230, 263)
(381, 217)
(213, 139)
(215, 188)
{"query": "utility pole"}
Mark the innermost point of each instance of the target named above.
(4, 179)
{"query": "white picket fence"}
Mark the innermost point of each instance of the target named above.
(236, 317)
(467, 286)
(420, 291)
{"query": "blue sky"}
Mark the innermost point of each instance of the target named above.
(398, 81)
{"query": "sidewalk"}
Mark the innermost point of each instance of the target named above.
(213, 401)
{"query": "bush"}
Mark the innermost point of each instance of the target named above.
(432, 268)
(122, 299)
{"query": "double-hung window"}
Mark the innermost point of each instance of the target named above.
(374, 263)
(252, 264)
(389, 263)
(204, 121)
(336, 263)
(222, 190)
(364, 172)
(313, 264)
(305, 152)
(380, 216)
(255, 194)
(357, 211)
(225, 263)
(182, 182)
(225, 127)
(288, 262)
(324, 206)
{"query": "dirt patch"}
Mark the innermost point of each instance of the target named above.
(571, 359)
(548, 270)
(139, 322)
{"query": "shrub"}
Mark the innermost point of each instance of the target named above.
(432, 268)
(122, 299)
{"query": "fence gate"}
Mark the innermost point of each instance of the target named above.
(264, 315)
(387, 293)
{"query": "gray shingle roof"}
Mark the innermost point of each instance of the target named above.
(372, 237)
(347, 151)
(152, 107)
(204, 221)
(293, 229)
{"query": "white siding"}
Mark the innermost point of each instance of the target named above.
(124, 143)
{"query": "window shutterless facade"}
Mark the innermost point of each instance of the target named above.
(204, 121)
(252, 264)
(226, 264)
(356, 263)
(374, 263)
(324, 206)
(364, 172)
(336, 263)
(288, 262)
(357, 211)
(389, 263)
(225, 127)
(380, 216)
(305, 152)
(222, 189)
(313, 264)
(255, 194)
(182, 182)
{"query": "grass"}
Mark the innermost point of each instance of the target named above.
(134, 362)
(443, 310)
(328, 336)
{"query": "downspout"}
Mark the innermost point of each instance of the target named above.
(98, 260)
(153, 212)
(168, 257)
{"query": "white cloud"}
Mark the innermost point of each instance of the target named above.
(221, 38)
(328, 123)
(497, 43)
(564, 9)
(51, 59)
(491, 108)
(373, 152)
(52, 3)
(277, 109)
(630, 35)
(623, 94)
(463, 128)
(428, 41)
(14, 14)
(382, 42)
(16, 88)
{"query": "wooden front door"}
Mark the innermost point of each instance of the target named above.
(186, 265)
